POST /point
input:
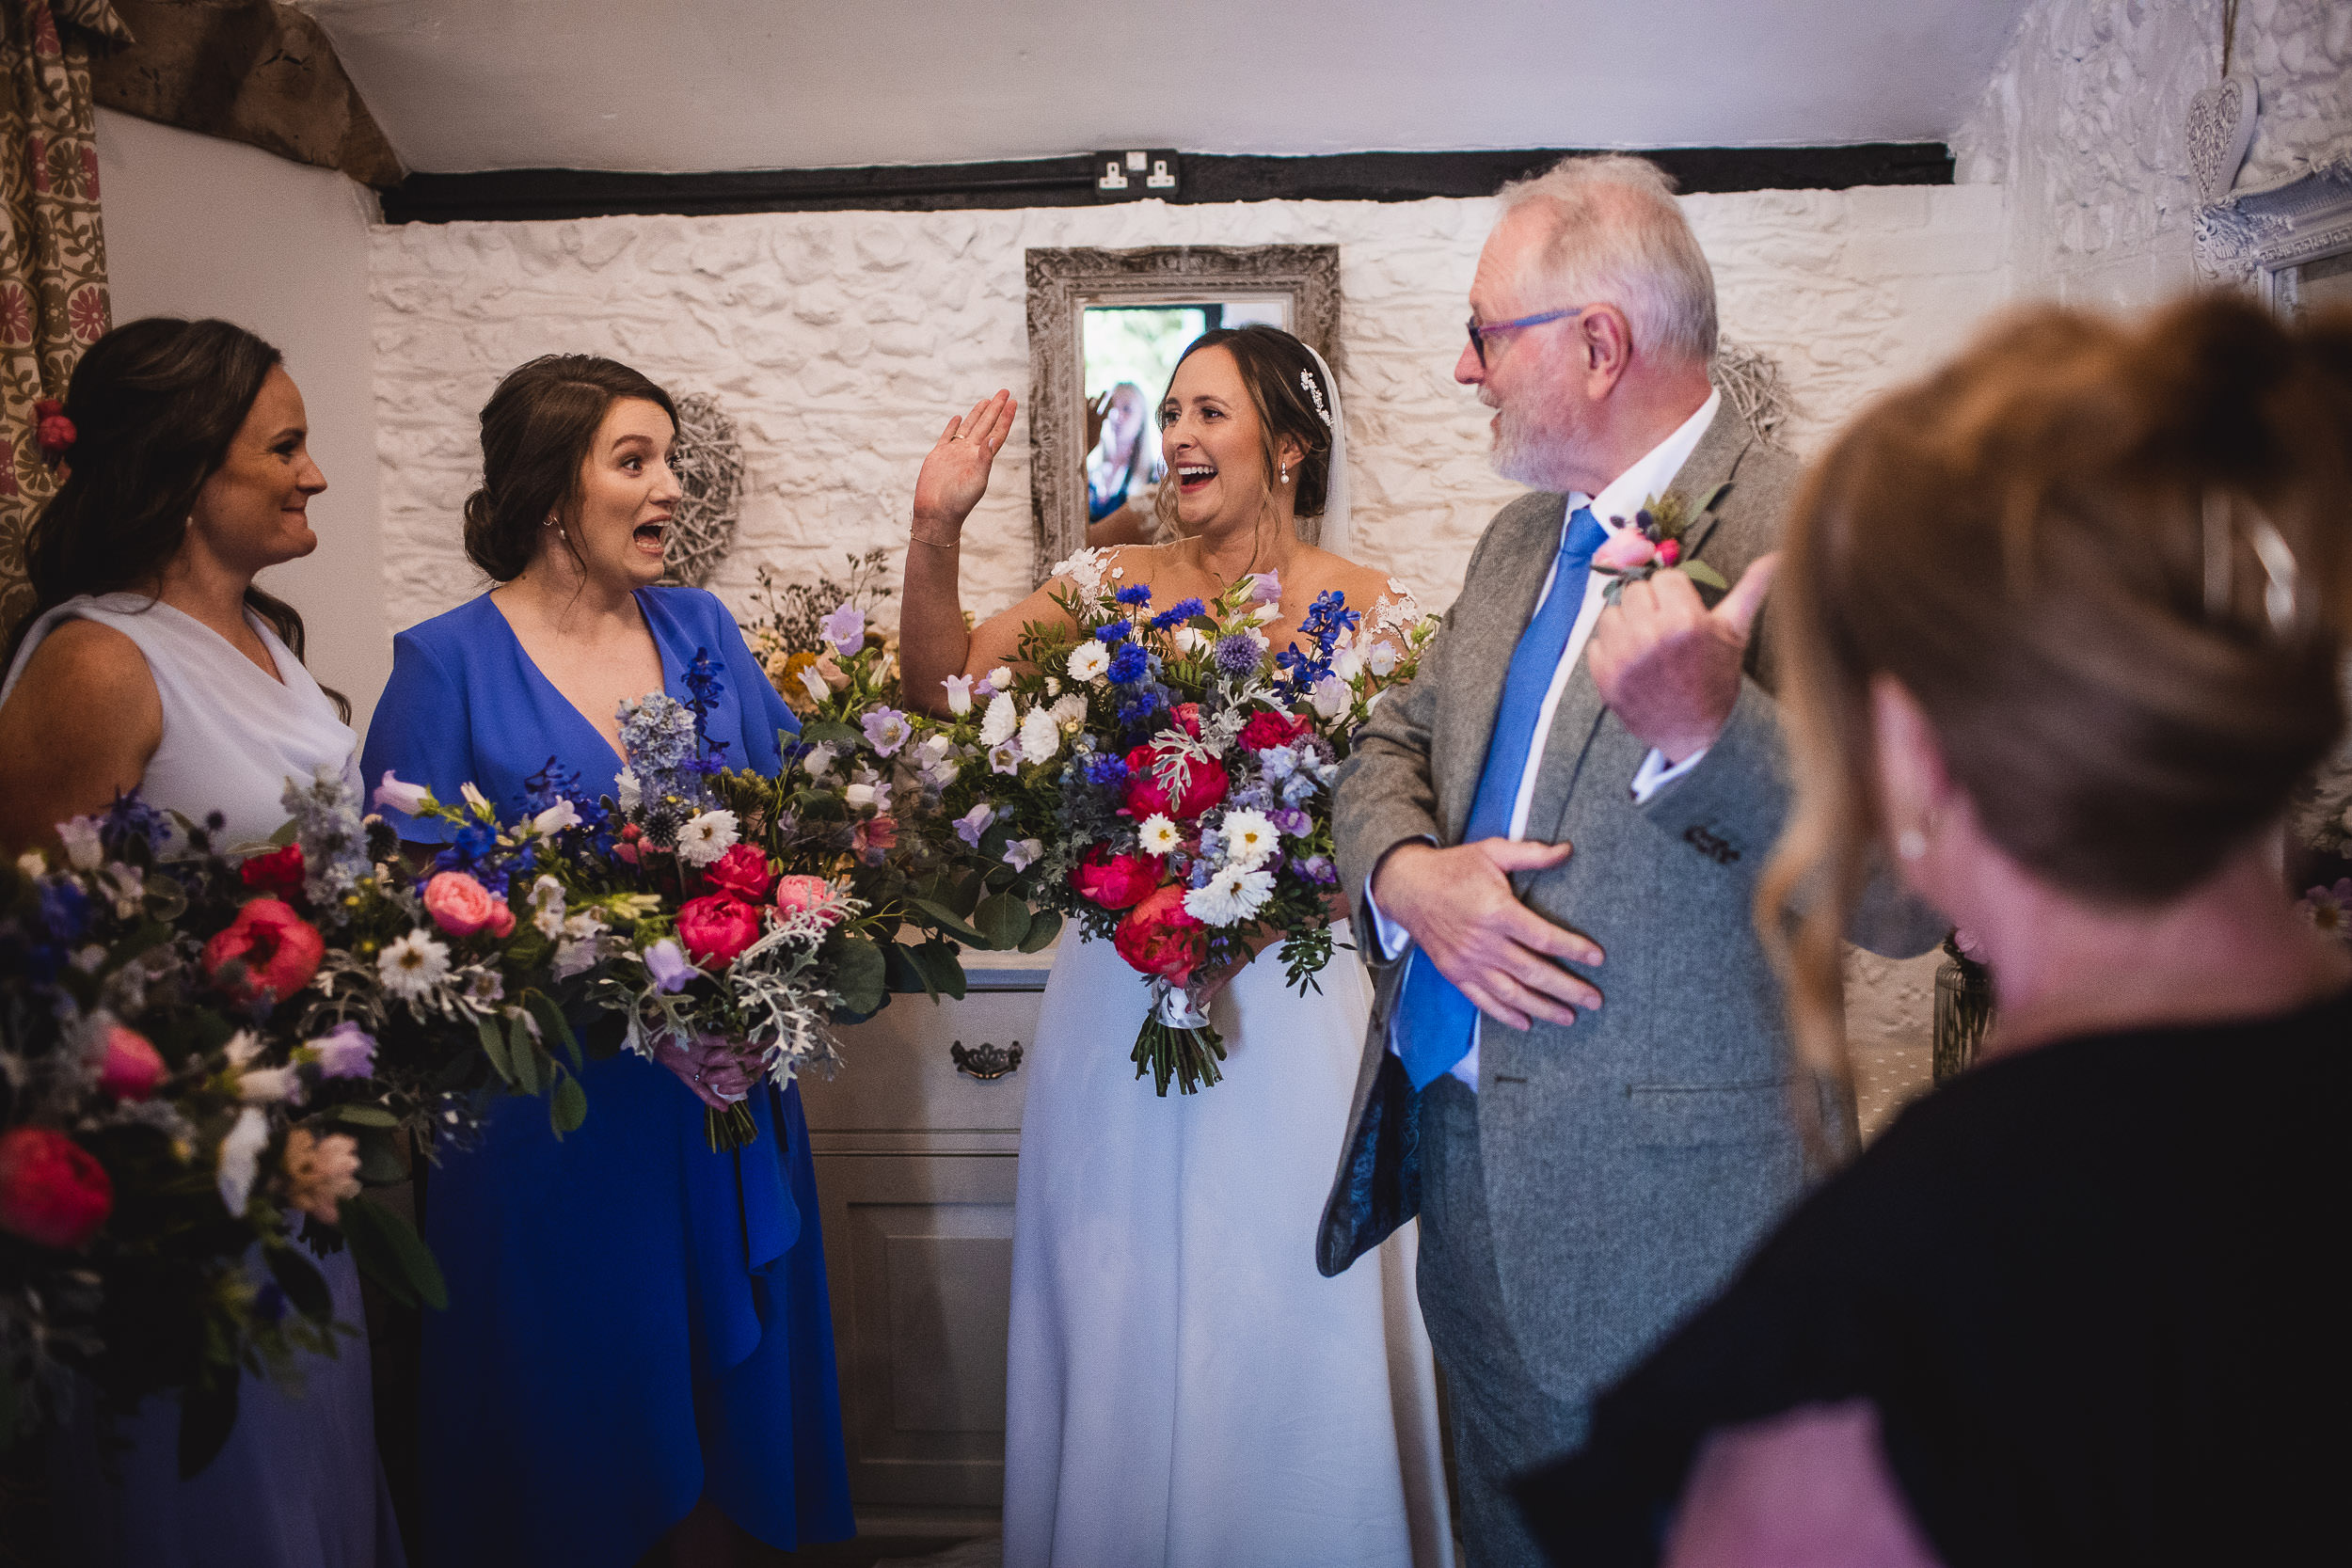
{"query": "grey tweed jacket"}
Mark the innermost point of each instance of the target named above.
(1633, 1158)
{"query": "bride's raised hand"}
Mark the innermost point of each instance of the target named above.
(955, 475)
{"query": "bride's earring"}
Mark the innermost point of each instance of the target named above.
(1911, 844)
(1286, 473)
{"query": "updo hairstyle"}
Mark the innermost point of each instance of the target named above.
(536, 432)
(1272, 363)
(154, 404)
(2109, 561)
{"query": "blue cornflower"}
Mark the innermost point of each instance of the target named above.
(1105, 770)
(64, 909)
(1130, 664)
(1140, 709)
(1236, 653)
(1115, 633)
(1133, 593)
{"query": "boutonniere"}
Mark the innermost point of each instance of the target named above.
(1651, 541)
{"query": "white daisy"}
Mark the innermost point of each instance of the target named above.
(706, 836)
(1248, 836)
(1040, 738)
(1233, 895)
(1160, 836)
(1088, 661)
(1001, 719)
(413, 966)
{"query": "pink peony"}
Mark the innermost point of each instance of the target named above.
(1117, 882)
(1623, 551)
(794, 894)
(1205, 784)
(53, 1192)
(278, 873)
(1159, 937)
(716, 928)
(742, 871)
(280, 949)
(461, 905)
(133, 1067)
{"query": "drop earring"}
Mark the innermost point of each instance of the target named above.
(1286, 473)
(1910, 844)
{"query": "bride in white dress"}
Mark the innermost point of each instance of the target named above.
(1185, 1390)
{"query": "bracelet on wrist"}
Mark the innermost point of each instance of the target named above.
(935, 544)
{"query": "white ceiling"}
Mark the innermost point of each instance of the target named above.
(701, 84)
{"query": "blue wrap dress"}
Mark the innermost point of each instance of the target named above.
(634, 1320)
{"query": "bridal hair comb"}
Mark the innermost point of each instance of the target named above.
(2271, 548)
(1307, 381)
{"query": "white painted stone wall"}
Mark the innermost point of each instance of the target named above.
(2082, 122)
(841, 340)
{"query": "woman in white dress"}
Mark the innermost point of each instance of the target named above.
(154, 663)
(1185, 1390)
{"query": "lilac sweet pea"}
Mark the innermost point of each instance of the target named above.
(845, 629)
(668, 966)
(346, 1051)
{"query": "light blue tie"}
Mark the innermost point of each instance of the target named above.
(1436, 1022)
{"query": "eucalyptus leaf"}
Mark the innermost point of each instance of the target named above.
(1700, 572)
(1003, 919)
(553, 1023)
(902, 974)
(389, 1252)
(941, 967)
(494, 1047)
(949, 922)
(568, 1106)
(379, 1157)
(861, 976)
(1044, 926)
(302, 1282)
(832, 732)
(524, 1054)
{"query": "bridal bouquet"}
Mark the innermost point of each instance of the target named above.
(1165, 778)
(199, 1048)
(736, 916)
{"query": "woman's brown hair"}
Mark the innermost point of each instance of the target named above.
(2111, 562)
(536, 430)
(1284, 384)
(154, 404)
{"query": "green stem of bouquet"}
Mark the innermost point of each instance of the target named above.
(732, 1128)
(1188, 1056)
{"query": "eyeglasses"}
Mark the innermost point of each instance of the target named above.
(1480, 333)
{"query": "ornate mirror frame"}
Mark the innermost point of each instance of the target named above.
(1063, 283)
(2262, 240)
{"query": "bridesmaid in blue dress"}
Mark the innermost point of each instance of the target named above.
(637, 1362)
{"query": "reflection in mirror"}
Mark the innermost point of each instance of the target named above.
(1128, 354)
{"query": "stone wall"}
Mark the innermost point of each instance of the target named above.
(841, 340)
(2082, 122)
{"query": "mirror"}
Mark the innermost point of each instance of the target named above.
(1101, 321)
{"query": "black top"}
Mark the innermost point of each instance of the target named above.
(2086, 1286)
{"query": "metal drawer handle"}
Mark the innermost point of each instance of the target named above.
(988, 1063)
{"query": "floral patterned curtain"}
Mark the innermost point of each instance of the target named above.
(52, 251)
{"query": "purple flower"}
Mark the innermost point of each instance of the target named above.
(1238, 653)
(1266, 588)
(973, 823)
(1105, 770)
(1292, 821)
(1114, 633)
(1317, 869)
(1130, 664)
(886, 730)
(845, 629)
(1178, 613)
(346, 1051)
(1133, 593)
(668, 966)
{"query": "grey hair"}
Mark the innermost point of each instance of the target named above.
(1618, 237)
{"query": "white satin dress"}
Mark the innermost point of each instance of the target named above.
(1184, 1389)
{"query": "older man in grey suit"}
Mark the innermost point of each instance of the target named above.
(1573, 798)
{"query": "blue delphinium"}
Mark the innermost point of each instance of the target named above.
(1177, 614)
(1319, 631)
(704, 688)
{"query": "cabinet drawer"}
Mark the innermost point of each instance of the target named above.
(899, 1073)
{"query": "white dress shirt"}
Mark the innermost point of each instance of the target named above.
(1621, 498)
